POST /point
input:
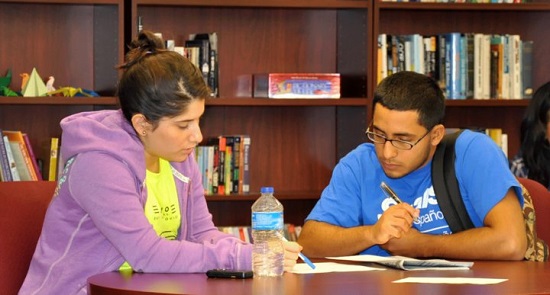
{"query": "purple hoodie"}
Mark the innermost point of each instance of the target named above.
(96, 221)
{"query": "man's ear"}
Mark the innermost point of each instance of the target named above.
(437, 134)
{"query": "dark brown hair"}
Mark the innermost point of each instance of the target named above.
(535, 148)
(411, 91)
(157, 82)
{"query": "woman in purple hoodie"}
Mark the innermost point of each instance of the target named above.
(130, 195)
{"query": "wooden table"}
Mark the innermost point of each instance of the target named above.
(523, 278)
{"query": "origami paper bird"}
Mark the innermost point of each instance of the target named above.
(49, 84)
(5, 81)
(70, 92)
(5, 91)
(24, 80)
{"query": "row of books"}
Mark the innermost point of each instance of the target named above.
(18, 161)
(17, 158)
(466, 65)
(202, 50)
(290, 232)
(225, 164)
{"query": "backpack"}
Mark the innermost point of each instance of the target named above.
(452, 206)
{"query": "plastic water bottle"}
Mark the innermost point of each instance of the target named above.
(267, 229)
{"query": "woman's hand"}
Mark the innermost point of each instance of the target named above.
(291, 254)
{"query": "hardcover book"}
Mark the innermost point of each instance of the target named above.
(527, 69)
(5, 171)
(54, 153)
(34, 160)
(11, 160)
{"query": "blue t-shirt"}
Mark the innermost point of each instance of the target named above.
(354, 198)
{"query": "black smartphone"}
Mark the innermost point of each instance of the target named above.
(229, 274)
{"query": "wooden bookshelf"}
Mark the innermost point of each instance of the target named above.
(295, 143)
(529, 20)
(77, 42)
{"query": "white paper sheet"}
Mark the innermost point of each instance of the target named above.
(453, 280)
(323, 267)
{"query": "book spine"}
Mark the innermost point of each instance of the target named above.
(214, 72)
(470, 65)
(527, 69)
(216, 166)
(498, 54)
(236, 160)
(401, 63)
(204, 168)
(4, 164)
(382, 57)
(463, 66)
(210, 169)
(227, 168)
(28, 161)
(245, 184)
(394, 56)
(32, 156)
(505, 67)
(515, 63)
(452, 65)
(431, 52)
(486, 66)
(11, 160)
(442, 62)
(221, 179)
(495, 71)
(54, 151)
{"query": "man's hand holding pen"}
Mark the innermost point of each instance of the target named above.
(396, 221)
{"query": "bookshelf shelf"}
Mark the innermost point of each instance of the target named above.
(532, 6)
(286, 102)
(108, 101)
(487, 103)
(260, 4)
(255, 195)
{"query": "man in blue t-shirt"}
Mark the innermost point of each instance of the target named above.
(354, 215)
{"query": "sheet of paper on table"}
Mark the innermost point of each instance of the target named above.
(323, 267)
(453, 280)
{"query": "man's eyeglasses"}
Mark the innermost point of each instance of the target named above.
(397, 143)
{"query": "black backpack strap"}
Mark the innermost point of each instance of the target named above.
(446, 185)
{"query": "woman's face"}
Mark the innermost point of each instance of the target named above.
(175, 138)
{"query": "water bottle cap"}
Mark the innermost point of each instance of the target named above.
(266, 189)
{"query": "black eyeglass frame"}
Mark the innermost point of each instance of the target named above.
(370, 135)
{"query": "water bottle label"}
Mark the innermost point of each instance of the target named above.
(267, 220)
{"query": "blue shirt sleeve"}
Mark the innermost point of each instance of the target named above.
(483, 174)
